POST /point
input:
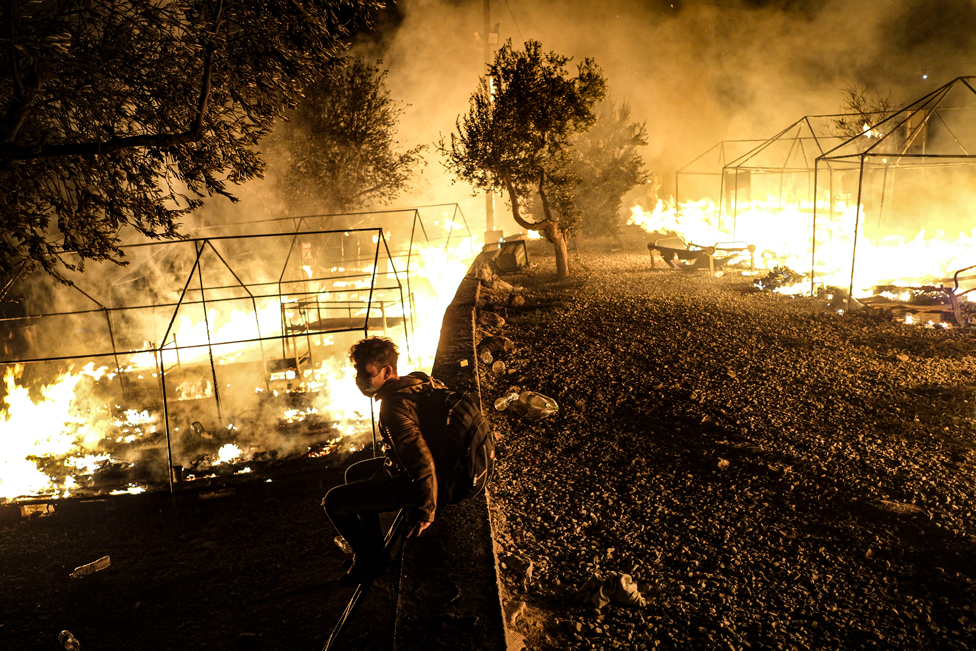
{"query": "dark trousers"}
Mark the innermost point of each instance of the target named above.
(355, 506)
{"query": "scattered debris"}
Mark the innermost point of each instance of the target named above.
(36, 510)
(521, 570)
(617, 587)
(69, 641)
(91, 568)
(491, 320)
(778, 277)
(499, 346)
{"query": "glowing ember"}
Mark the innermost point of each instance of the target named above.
(228, 453)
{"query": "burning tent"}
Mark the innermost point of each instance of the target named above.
(751, 194)
(882, 214)
(217, 353)
(907, 184)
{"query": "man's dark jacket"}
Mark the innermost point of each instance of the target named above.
(407, 450)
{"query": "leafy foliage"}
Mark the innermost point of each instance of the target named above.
(116, 114)
(608, 164)
(517, 133)
(338, 152)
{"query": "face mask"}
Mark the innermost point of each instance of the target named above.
(365, 385)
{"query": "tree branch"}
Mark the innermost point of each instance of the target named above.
(542, 195)
(17, 112)
(513, 196)
(12, 34)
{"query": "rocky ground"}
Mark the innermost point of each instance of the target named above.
(770, 473)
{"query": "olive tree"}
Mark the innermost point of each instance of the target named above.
(608, 163)
(118, 115)
(338, 151)
(516, 135)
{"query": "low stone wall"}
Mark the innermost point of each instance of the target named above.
(448, 585)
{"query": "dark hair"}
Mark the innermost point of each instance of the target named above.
(378, 350)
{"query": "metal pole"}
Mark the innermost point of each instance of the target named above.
(813, 237)
(162, 376)
(206, 323)
(857, 223)
(115, 353)
(489, 197)
(254, 304)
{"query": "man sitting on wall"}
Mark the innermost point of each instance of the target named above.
(404, 478)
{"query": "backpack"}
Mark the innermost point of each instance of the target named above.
(460, 440)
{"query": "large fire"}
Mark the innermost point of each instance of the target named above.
(54, 436)
(783, 234)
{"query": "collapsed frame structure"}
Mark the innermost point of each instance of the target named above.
(855, 206)
(217, 324)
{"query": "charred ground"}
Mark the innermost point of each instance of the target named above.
(246, 566)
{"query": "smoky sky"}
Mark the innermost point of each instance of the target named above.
(696, 73)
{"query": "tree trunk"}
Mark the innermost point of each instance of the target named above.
(548, 227)
(562, 253)
(554, 233)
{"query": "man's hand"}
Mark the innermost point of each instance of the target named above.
(416, 529)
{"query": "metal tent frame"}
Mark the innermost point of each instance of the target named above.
(315, 282)
(929, 140)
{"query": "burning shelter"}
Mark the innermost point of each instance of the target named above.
(893, 214)
(219, 354)
(751, 192)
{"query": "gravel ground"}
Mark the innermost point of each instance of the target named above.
(772, 475)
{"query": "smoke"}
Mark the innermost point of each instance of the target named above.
(698, 73)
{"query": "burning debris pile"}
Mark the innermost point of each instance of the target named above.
(770, 474)
(778, 277)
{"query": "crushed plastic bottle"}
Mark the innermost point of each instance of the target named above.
(69, 641)
(91, 568)
(342, 544)
(534, 406)
(485, 356)
(503, 403)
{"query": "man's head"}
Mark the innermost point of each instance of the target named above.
(375, 360)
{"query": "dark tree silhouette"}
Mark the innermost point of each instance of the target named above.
(608, 164)
(337, 152)
(126, 114)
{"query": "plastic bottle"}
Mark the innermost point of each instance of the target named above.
(342, 544)
(509, 398)
(91, 568)
(534, 406)
(69, 641)
(485, 356)
(498, 367)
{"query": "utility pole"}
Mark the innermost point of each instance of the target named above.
(489, 195)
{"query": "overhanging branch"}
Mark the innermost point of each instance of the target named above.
(17, 112)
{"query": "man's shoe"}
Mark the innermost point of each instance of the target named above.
(363, 571)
